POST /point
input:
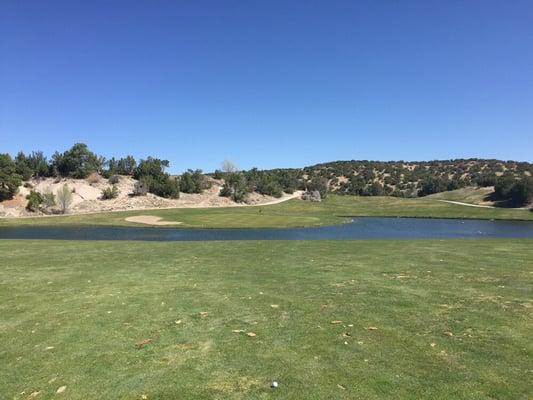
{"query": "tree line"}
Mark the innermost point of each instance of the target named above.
(79, 162)
(512, 180)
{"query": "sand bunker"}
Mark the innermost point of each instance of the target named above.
(150, 220)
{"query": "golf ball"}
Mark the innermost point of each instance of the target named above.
(274, 384)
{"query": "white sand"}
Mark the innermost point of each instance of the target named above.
(150, 220)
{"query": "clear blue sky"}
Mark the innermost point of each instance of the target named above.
(268, 83)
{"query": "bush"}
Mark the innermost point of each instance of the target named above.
(486, 180)
(110, 193)
(35, 199)
(313, 196)
(320, 184)
(140, 188)
(521, 192)
(49, 199)
(9, 179)
(64, 198)
(218, 174)
(94, 178)
(165, 187)
(152, 172)
(114, 179)
(503, 186)
(235, 187)
(432, 185)
(194, 182)
(269, 187)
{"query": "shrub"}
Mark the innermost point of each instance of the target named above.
(165, 187)
(114, 179)
(194, 182)
(229, 167)
(313, 196)
(521, 192)
(432, 185)
(64, 198)
(268, 186)
(486, 180)
(110, 193)
(235, 187)
(503, 186)
(320, 184)
(49, 199)
(140, 188)
(152, 172)
(94, 178)
(35, 199)
(9, 179)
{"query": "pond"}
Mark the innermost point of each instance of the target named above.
(358, 229)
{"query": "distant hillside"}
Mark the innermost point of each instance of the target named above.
(411, 179)
(510, 182)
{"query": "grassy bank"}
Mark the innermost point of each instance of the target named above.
(289, 214)
(453, 319)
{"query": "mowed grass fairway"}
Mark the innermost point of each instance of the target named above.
(347, 320)
(293, 213)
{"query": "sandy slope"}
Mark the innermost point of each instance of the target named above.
(86, 198)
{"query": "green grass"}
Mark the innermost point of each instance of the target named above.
(471, 195)
(73, 312)
(289, 214)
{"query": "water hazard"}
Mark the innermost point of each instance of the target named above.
(358, 229)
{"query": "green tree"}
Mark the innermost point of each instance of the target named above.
(77, 162)
(9, 179)
(194, 181)
(39, 164)
(504, 185)
(432, 185)
(269, 186)
(126, 166)
(152, 172)
(320, 184)
(22, 166)
(235, 186)
(35, 200)
(521, 192)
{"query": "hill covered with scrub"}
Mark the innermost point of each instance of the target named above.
(507, 183)
(43, 184)
(412, 179)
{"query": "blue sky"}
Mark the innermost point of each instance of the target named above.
(268, 83)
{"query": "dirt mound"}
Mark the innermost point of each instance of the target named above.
(86, 197)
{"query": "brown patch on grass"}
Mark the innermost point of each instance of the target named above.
(226, 384)
(143, 343)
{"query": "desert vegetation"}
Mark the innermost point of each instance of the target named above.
(512, 182)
